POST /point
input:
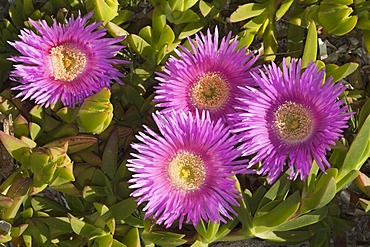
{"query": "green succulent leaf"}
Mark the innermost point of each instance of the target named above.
(276, 193)
(279, 214)
(140, 46)
(247, 11)
(75, 143)
(164, 238)
(310, 49)
(303, 220)
(158, 22)
(366, 36)
(365, 204)
(84, 229)
(132, 238)
(110, 155)
(364, 113)
(18, 149)
(5, 202)
(289, 237)
(17, 231)
(48, 206)
(358, 152)
(18, 191)
(123, 209)
(96, 112)
(166, 38)
(104, 10)
(20, 125)
(284, 7)
(323, 193)
(115, 30)
(338, 73)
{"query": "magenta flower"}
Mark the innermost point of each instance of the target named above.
(185, 172)
(291, 119)
(205, 78)
(68, 62)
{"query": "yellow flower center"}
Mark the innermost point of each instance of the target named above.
(293, 122)
(67, 62)
(186, 171)
(210, 92)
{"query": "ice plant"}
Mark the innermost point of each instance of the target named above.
(185, 171)
(206, 77)
(64, 61)
(292, 118)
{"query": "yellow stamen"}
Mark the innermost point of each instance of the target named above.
(210, 92)
(293, 122)
(186, 171)
(67, 62)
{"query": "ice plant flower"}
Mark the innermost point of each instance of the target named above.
(64, 61)
(292, 118)
(206, 77)
(185, 171)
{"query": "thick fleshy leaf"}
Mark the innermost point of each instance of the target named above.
(110, 155)
(132, 238)
(166, 38)
(358, 152)
(164, 238)
(123, 209)
(20, 125)
(279, 214)
(60, 132)
(284, 7)
(366, 35)
(158, 22)
(310, 48)
(96, 112)
(364, 112)
(303, 220)
(115, 30)
(35, 130)
(58, 226)
(277, 191)
(47, 205)
(104, 10)
(19, 192)
(38, 115)
(247, 11)
(84, 229)
(5, 201)
(289, 237)
(67, 114)
(365, 204)
(18, 230)
(323, 193)
(363, 183)
(342, 71)
(75, 143)
(140, 46)
(18, 149)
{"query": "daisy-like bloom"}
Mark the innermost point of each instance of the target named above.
(292, 118)
(185, 171)
(205, 78)
(68, 62)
